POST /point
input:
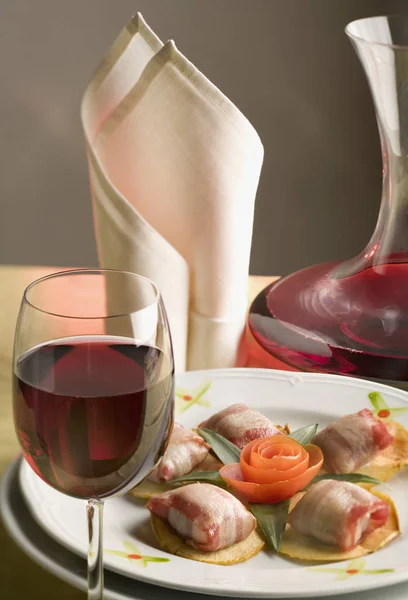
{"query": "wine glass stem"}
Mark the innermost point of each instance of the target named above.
(94, 511)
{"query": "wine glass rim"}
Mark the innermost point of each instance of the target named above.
(88, 271)
(373, 43)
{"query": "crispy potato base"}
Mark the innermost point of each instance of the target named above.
(391, 460)
(303, 547)
(237, 553)
(147, 489)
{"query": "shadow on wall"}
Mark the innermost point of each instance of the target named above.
(286, 64)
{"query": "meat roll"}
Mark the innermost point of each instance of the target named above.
(352, 441)
(185, 451)
(338, 513)
(240, 425)
(205, 516)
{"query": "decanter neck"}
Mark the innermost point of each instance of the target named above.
(386, 68)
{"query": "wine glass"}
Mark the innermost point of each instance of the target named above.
(93, 388)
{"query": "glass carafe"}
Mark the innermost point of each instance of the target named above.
(352, 317)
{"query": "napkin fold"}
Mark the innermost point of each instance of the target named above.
(174, 168)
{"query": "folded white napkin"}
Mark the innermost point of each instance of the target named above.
(174, 168)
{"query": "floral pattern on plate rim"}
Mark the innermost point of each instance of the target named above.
(185, 399)
(354, 567)
(381, 408)
(135, 557)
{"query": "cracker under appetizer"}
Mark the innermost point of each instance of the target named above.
(390, 461)
(240, 425)
(205, 523)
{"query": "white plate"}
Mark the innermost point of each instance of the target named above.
(299, 399)
(71, 568)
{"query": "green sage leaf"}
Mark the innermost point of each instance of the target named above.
(304, 435)
(227, 452)
(272, 520)
(350, 477)
(199, 476)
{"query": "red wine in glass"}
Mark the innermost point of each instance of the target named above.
(83, 412)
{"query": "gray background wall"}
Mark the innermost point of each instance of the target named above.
(286, 63)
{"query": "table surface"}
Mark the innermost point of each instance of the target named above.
(19, 576)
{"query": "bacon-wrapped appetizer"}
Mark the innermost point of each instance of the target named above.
(185, 451)
(205, 523)
(240, 425)
(207, 517)
(338, 513)
(352, 441)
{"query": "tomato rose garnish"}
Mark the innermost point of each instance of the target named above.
(273, 469)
